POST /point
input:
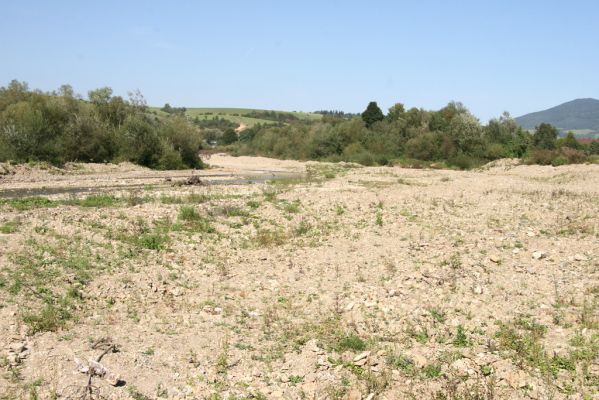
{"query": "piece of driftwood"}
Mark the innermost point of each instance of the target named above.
(93, 368)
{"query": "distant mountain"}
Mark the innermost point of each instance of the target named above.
(580, 116)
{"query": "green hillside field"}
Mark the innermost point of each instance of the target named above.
(236, 115)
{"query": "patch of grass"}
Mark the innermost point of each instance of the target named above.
(152, 240)
(188, 213)
(253, 204)
(350, 341)
(400, 362)
(50, 319)
(148, 352)
(269, 238)
(302, 228)
(9, 227)
(432, 371)
(29, 203)
(523, 339)
(192, 220)
(98, 201)
(438, 315)
(292, 207)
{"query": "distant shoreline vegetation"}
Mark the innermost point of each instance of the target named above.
(448, 138)
(61, 126)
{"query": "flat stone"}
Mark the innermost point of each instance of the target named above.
(361, 356)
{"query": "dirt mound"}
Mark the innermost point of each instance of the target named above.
(504, 164)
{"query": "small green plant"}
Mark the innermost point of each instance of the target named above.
(432, 371)
(148, 352)
(486, 370)
(339, 210)
(460, 339)
(379, 218)
(193, 221)
(188, 213)
(400, 362)
(293, 207)
(222, 361)
(295, 379)
(152, 241)
(302, 228)
(438, 315)
(253, 204)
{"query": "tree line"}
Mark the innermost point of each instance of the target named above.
(450, 137)
(61, 126)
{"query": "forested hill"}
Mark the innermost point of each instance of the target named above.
(580, 116)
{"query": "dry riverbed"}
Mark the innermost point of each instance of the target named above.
(332, 282)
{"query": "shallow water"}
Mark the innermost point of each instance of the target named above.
(77, 190)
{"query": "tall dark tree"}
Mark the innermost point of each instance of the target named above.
(544, 137)
(372, 114)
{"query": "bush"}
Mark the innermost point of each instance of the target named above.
(573, 156)
(462, 161)
(542, 157)
(422, 147)
(559, 160)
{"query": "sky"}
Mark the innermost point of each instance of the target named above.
(493, 56)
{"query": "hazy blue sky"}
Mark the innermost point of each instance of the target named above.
(519, 56)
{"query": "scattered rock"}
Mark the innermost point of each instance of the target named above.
(361, 356)
(538, 255)
(580, 257)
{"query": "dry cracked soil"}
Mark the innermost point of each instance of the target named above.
(333, 281)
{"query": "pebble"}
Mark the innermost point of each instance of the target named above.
(580, 257)
(538, 255)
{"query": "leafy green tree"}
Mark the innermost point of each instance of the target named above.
(141, 142)
(594, 147)
(229, 137)
(372, 114)
(569, 141)
(545, 136)
(182, 138)
(100, 95)
(396, 112)
(466, 132)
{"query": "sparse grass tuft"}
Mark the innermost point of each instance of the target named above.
(9, 227)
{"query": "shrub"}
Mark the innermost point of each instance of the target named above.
(573, 156)
(541, 156)
(462, 161)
